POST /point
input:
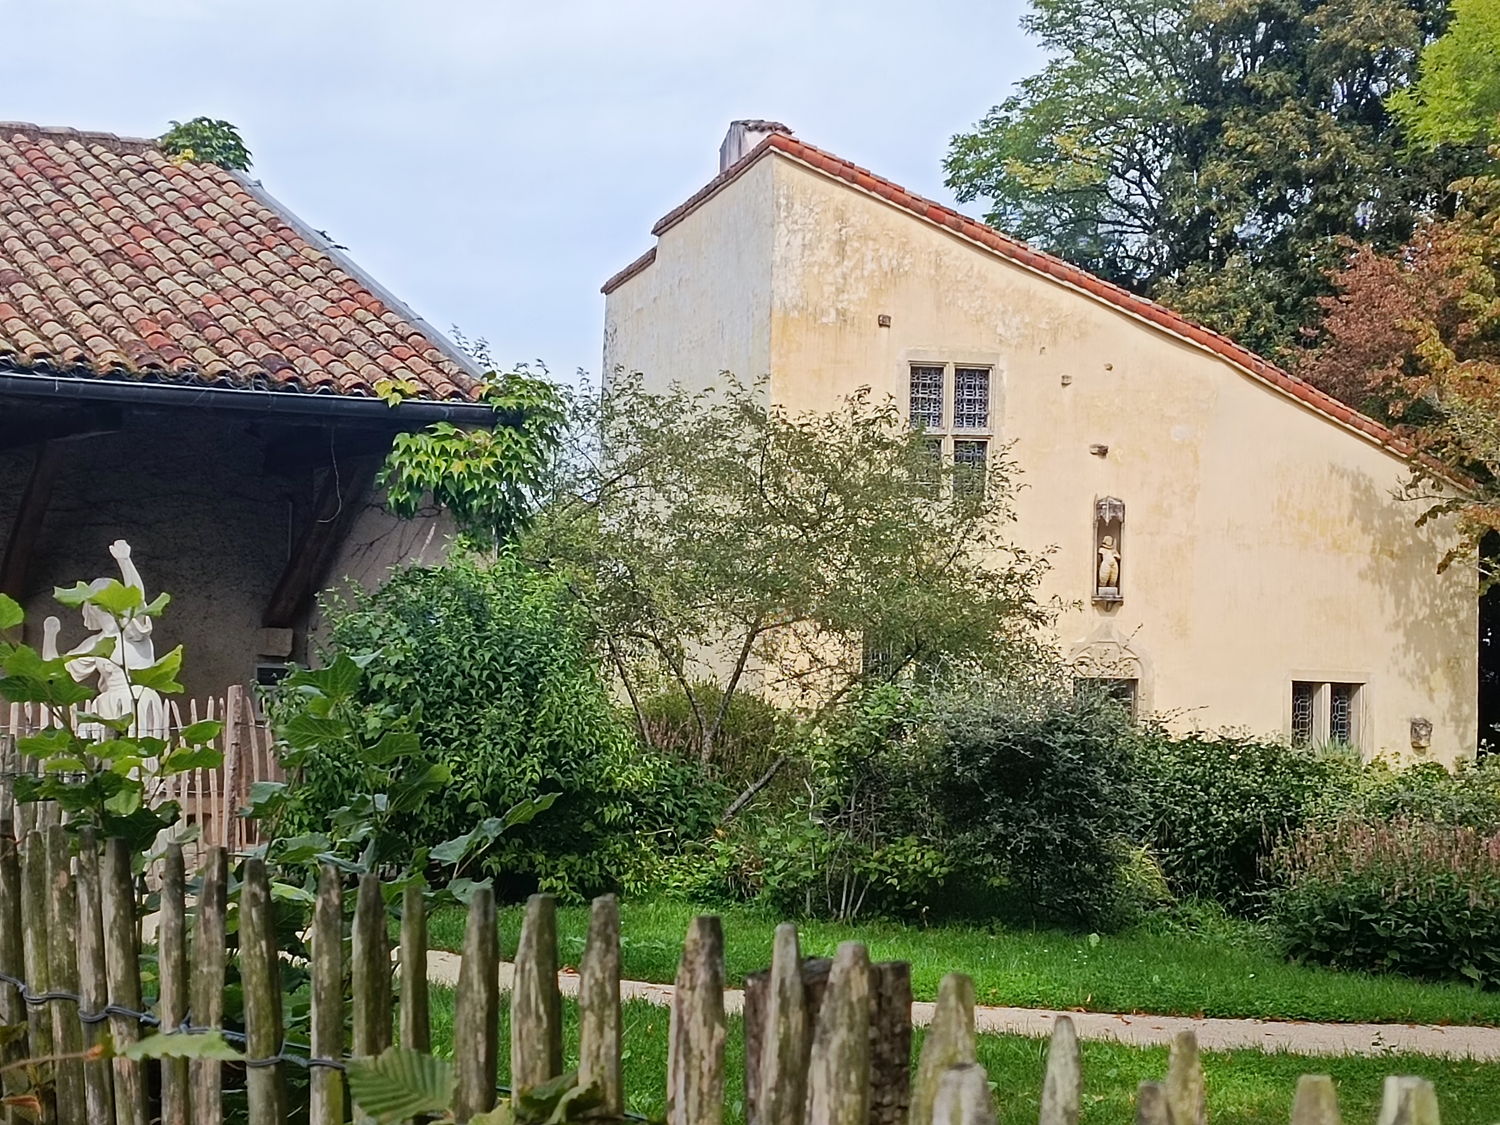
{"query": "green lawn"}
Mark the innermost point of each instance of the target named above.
(1166, 974)
(1244, 1087)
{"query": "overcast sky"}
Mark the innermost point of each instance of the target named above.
(491, 163)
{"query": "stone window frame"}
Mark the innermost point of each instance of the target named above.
(951, 361)
(1321, 688)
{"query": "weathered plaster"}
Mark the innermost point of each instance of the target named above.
(1263, 542)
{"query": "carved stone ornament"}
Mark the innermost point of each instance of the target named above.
(1109, 542)
(1105, 660)
(1421, 734)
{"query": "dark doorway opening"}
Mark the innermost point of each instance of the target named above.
(1489, 650)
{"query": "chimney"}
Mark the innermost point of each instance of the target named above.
(742, 138)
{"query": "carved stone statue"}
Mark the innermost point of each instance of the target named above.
(133, 650)
(1109, 565)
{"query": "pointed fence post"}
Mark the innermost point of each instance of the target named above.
(535, 1003)
(1062, 1086)
(695, 1052)
(370, 958)
(476, 1009)
(210, 955)
(171, 938)
(963, 1097)
(1151, 1106)
(12, 963)
(326, 1101)
(950, 1042)
(62, 969)
(599, 1008)
(260, 976)
(416, 1019)
(34, 942)
(122, 963)
(890, 1042)
(1187, 1099)
(785, 1039)
(1317, 1101)
(838, 1080)
(1408, 1101)
(93, 980)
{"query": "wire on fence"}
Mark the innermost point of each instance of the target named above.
(187, 1027)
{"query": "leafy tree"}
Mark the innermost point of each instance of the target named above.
(716, 540)
(1456, 101)
(1416, 335)
(456, 693)
(208, 142)
(487, 478)
(1210, 153)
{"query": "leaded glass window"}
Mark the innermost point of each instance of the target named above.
(1303, 697)
(968, 467)
(926, 403)
(1341, 711)
(971, 398)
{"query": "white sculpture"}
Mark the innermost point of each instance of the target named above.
(133, 650)
(1109, 566)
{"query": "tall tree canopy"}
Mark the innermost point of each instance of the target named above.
(1211, 153)
(1456, 101)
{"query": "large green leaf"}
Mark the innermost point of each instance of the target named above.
(11, 614)
(161, 676)
(400, 1083)
(182, 1045)
(393, 745)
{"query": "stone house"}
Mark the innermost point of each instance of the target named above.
(1229, 537)
(186, 365)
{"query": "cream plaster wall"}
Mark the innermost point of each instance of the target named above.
(711, 283)
(1263, 543)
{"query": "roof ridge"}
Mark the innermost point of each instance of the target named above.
(83, 136)
(1049, 265)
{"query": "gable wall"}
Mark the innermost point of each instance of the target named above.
(1262, 542)
(703, 306)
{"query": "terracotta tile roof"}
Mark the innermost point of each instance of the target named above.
(118, 262)
(1048, 265)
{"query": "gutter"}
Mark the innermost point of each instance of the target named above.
(410, 412)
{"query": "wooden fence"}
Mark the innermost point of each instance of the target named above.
(827, 1043)
(210, 799)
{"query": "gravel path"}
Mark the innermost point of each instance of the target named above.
(1138, 1031)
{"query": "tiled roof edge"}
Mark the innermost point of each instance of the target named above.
(1048, 265)
(628, 272)
(83, 136)
(353, 269)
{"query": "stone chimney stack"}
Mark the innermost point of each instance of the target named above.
(742, 138)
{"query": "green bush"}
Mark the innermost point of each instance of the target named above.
(1035, 805)
(1403, 896)
(754, 734)
(493, 665)
(1468, 796)
(853, 838)
(1212, 807)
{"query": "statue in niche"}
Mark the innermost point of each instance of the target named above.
(1109, 566)
(132, 651)
(1109, 527)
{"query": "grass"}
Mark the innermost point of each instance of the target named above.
(1244, 1087)
(1158, 973)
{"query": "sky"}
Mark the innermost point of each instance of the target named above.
(492, 163)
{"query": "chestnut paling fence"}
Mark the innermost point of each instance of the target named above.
(209, 798)
(827, 1042)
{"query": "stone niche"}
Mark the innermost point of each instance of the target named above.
(1109, 550)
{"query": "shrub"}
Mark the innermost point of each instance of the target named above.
(1035, 804)
(754, 734)
(493, 665)
(1212, 808)
(854, 838)
(1420, 899)
(1466, 797)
